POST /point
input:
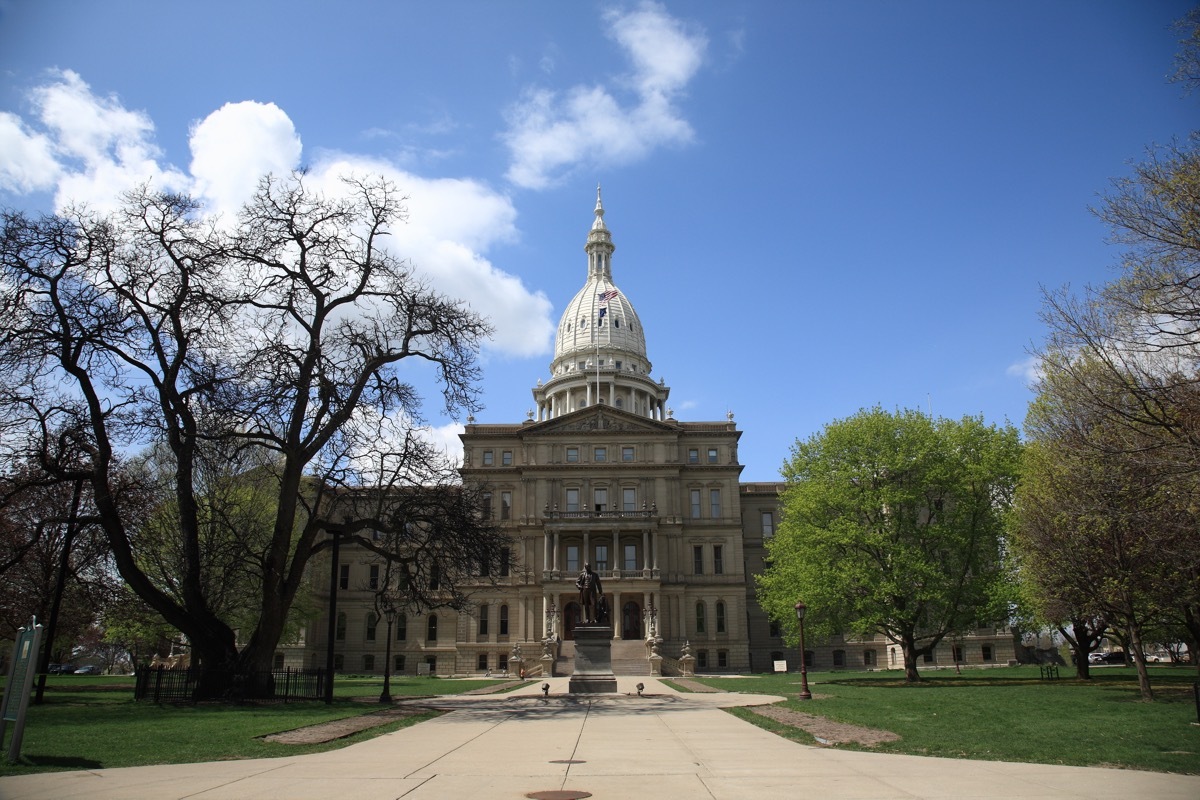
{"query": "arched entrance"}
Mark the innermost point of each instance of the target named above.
(631, 620)
(570, 618)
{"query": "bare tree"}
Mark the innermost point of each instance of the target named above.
(285, 343)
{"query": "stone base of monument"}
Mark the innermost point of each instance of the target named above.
(593, 661)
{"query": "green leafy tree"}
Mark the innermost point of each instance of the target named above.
(893, 524)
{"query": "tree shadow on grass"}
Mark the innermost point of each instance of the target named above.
(59, 762)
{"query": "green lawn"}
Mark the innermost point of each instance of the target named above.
(1007, 714)
(93, 722)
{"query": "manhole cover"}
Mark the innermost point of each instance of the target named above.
(559, 794)
(568, 761)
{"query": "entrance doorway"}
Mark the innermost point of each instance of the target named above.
(631, 620)
(570, 618)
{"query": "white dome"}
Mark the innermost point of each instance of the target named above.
(600, 315)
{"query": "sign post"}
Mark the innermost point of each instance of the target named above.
(21, 670)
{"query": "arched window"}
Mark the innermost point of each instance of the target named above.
(372, 623)
(340, 634)
(720, 617)
(699, 617)
(431, 628)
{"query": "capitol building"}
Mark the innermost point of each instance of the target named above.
(601, 472)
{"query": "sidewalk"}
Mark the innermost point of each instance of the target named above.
(665, 745)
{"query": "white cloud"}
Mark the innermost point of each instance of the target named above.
(446, 438)
(235, 145)
(451, 223)
(91, 149)
(27, 161)
(101, 148)
(550, 133)
(1027, 369)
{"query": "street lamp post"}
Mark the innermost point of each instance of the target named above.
(805, 694)
(389, 611)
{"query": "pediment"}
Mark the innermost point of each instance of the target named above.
(600, 419)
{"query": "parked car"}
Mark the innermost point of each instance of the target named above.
(1113, 657)
(88, 670)
(60, 669)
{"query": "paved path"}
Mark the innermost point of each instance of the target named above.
(622, 747)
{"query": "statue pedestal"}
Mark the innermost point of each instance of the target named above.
(593, 661)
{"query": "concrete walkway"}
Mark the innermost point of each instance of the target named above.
(667, 745)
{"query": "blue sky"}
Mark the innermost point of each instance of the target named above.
(817, 206)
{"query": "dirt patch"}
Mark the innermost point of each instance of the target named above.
(692, 686)
(341, 728)
(826, 731)
(497, 687)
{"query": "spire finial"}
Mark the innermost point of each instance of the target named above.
(599, 204)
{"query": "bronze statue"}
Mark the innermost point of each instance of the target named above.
(591, 596)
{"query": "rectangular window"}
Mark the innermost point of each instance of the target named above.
(868, 658)
(630, 557)
(600, 454)
(505, 505)
(399, 667)
(628, 499)
(768, 524)
(601, 496)
(722, 659)
(344, 576)
(718, 560)
(572, 499)
(958, 654)
(693, 456)
(506, 458)
(372, 624)
(505, 562)
(401, 627)
(627, 454)
(695, 498)
(572, 455)
(987, 652)
(368, 663)
(702, 659)
(720, 617)
(483, 662)
(373, 580)
(839, 658)
(775, 632)
(712, 455)
(601, 557)
(700, 621)
(488, 458)
(714, 503)
(697, 560)
(486, 502)
(504, 620)
(572, 558)
(483, 620)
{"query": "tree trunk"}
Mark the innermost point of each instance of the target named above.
(908, 646)
(1139, 661)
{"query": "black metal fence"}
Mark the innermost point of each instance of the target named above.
(162, 685)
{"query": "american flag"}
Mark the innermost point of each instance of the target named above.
(604, 297)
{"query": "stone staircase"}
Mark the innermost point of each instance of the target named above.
(628, 658)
